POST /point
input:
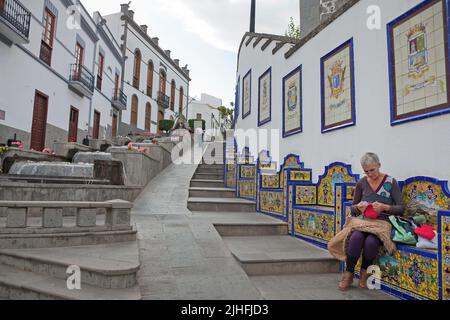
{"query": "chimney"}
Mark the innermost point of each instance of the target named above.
(131, 14)
(156, 41)
(124, 8)
(177, 62)
(144, 28)
(252, 16)
(167, 53)
(186, 70)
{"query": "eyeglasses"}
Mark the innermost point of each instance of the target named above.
(371, 170)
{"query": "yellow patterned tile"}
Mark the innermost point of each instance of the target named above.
(272, 202)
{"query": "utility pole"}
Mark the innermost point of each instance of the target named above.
(252, 16)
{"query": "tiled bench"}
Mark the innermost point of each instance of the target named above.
(415, 273)
(316, 208)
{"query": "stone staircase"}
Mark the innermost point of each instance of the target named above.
(108, 272)
(207, 192)
(39, 253)
(263, 247)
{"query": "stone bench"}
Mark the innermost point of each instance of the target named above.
(316, 212)
(316, 208)
(246, 175)
(118, 214)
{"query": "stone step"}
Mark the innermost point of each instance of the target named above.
(22, 285)
(209, 171)
(211, 193)
(214, 166)
(312, 287)
(111, 266)
(221, 204)
(280, 255)
(208, 176)
(251, 229)
(64, 239)
(207, 183)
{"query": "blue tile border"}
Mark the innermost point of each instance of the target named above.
(300, 129)
(436, 110)
(352, 121)
(265, 121)
(245, 115)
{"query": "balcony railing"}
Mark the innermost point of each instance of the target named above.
(119, 99)
(16, 15)
(80, 74)
(163, 100)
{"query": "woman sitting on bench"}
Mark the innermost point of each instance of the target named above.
(376, 197)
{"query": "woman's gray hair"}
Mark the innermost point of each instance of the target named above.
(370, 158)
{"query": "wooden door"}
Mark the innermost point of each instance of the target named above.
(2, 4)
(162, 82)
(134, 111)
(96, 132)
(114, 126)
(116, 86)
(39, 124)
(73, 125)
(79, 58)
(148, 117)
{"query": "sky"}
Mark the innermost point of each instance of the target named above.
(205, 34)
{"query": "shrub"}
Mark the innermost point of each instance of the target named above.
(192, 123)
(166, 125)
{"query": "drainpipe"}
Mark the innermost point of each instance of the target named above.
(187, 100)
(122, 80)
(91, 99)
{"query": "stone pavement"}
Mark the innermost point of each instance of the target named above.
(184, 257)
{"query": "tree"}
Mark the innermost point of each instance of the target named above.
(293, 31)
(227, 115)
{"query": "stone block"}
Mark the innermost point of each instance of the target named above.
(70, 212)
(111, 170)
(35, 212)
(16, 218)
(3, 212)
(119, 214)
(118, 217)
(87, 217)
(52, 218)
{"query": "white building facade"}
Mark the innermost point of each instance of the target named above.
(396, 83)
(207, 109)
(61, 73)
(156, 85)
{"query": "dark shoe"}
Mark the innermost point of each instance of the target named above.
(363, 277)
(346, 281)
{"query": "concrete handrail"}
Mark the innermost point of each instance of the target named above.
(118, 213)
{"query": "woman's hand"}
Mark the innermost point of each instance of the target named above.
(380, 207)
(362, 206)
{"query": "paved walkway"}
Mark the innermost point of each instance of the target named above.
(183, 256)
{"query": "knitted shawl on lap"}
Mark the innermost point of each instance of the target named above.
(382, 229)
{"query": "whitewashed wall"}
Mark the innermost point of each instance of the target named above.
(415, 148)
(136, 41)
(22, 72)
